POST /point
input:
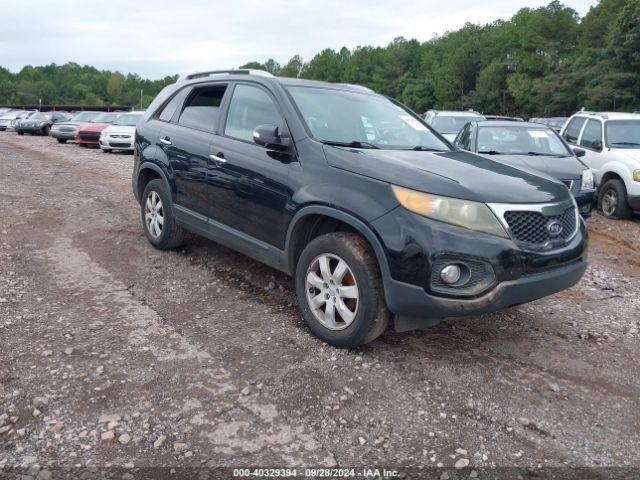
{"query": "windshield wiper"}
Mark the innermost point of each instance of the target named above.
(625, 143)
(353, 144)
(491, 152)
(420, 148)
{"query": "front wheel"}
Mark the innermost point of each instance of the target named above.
(340, 291)
(106, 150)
(62, 140)
(612, 200)
(20, 133)
(46, 130)
(158, 221)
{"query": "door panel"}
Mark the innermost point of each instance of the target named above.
(188, 155)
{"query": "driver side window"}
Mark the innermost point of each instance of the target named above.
(592, 135)
(464, 138)
(250, 107)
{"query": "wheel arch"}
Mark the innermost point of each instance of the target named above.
(300, 219)
(149, 171)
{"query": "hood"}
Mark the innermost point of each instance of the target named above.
(630, 153)
(120, 129)
(452, 174)
(567, 168)
(93, 127)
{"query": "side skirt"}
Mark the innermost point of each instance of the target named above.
(231, 238)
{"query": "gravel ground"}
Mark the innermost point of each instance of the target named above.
(115, 357)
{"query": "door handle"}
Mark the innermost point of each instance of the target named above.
(165, 141)
(218, 159)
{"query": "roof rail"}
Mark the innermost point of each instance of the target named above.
(235, 71)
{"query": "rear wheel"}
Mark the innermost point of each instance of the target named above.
(340, 290)
(157, 217)
(62, 140)
(612, 200)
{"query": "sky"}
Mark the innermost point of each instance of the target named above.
(154, 38)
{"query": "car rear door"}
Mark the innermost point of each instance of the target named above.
(249, 191)
(186, 140)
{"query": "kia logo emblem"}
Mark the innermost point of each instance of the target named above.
(554, 228)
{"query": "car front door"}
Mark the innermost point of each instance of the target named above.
(186, 140)
(591, 141)
(249, 181)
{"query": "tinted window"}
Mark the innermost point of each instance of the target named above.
(573, 130)
(250, 107)
(520, 140)
(592, 133)
(170, 108)
(464, 138)
(445, 124)
(202, 108)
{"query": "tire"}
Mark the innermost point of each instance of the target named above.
(62, 140)
(46, 130)
(170, 234)
(369, 314)
(106, 150)
(20, 133)
(612, 200)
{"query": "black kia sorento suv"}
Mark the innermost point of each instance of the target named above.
(377, 217)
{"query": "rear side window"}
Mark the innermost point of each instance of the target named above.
(249, 108)
(592, 133)
(573, 130)
(202, 109)
(170, 108)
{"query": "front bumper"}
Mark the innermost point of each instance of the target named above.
(585, 200)
(634, 202)
(63, 135)
(116, 143)
(413, 244)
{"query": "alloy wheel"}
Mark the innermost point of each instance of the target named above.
(609, 202)
(332, 291)
(154, 214)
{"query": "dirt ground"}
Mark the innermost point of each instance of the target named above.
(115, 357)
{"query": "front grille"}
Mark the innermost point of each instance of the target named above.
(536, 229)
(119, 145)
(89, 137)
(67, 129)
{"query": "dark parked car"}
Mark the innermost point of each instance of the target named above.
(39, 123)
(66, 130)
(533, 147)
(374, 214)
(554, 122)
(502, 117)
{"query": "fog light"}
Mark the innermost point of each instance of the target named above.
(450, 274)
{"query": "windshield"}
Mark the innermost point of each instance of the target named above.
(520, 141)
(40, 116)
(623, 133)
(557, 122)
(445, 124)
(361, 120)
(128, 120)
(104, 118)
(85, 116)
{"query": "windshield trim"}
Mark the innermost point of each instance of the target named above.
(395, 102)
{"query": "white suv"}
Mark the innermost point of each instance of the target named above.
(612, 149)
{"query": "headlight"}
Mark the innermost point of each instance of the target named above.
(464, 213)
(587, 180)
(636, 175)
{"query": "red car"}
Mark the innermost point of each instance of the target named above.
(89, 133)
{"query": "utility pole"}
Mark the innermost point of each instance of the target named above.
(141, 95)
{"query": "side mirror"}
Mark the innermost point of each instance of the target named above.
(269, 137)
(596, 145)
(579, 152)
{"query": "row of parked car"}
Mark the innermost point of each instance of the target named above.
(107, 130)
(585, 151)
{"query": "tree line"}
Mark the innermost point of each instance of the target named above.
(541, 62)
